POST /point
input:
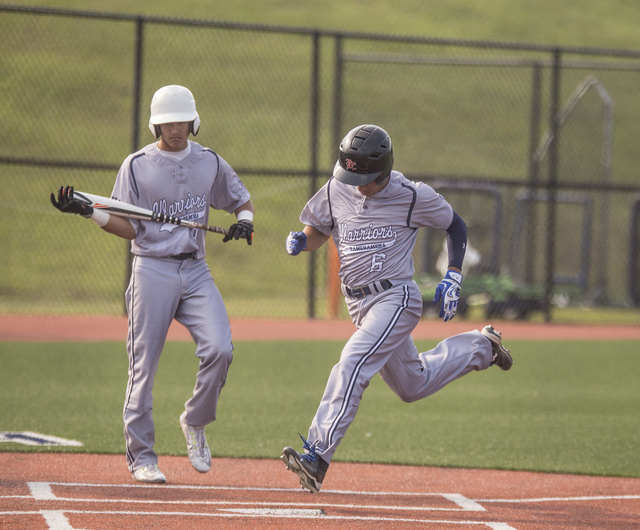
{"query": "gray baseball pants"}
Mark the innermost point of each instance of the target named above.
(382, 344)
(160, 290)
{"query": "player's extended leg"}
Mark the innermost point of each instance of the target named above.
(413, 376)
(382, 326)
(203, 313)
(152, 298)
(382, 322)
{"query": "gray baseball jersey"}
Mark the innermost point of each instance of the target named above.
(164, 287)
(375, 237)
(185, 189)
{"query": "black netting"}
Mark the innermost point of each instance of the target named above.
(474, 121)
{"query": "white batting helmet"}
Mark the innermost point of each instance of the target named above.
(171, 104)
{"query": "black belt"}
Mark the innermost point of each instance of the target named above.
(185, 255)
(361, 292)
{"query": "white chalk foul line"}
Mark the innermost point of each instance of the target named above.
(564, 499)
(43, 491)
(56, 519)
(282, 512)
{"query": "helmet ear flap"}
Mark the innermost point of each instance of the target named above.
(382, 178)
(386, 174)
(194, 127)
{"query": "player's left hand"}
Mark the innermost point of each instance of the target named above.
(67, 204)
(448, 293)
(240, 230)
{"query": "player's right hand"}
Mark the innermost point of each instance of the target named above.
(296, 243)
(67, 204)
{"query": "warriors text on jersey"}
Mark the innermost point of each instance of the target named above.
(375, 235)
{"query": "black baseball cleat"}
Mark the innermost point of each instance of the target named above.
(501, 356)
(309, 467)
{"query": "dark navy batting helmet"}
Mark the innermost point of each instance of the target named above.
(366, 155)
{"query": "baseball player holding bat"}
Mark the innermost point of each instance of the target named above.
(170, 278)
(373, 214)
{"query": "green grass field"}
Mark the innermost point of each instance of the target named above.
(610, 23)
(569, 407)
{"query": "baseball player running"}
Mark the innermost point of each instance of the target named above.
(373, 215)
(170, 278)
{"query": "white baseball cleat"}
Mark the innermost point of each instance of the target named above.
(150, 474)
(197, 446)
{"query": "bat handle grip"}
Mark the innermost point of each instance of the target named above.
(164, 218)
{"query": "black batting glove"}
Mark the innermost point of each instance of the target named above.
(67, 204)
(240, 230)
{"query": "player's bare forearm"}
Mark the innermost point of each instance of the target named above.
(315, 238)
(121, 227)
(246, 206)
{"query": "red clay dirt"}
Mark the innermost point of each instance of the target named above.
(58, 491)
(79, 491)
(69, 329)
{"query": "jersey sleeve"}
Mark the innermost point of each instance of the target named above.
(317, 212)
(228, 191)
(430, 209)
(125, 189)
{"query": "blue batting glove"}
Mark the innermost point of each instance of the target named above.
(296, 243)
(448, 292)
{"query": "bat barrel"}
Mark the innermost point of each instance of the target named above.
(123, 209)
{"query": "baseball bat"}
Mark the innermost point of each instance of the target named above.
(122, 209)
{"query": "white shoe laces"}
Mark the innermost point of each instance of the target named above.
(150, 469)
(197, 441)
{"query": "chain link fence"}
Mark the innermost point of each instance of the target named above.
(535, 147)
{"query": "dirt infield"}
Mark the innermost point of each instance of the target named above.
(78, 491)
(57, 491)
(50, 329)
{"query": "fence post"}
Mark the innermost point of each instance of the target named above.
(337, 93)
(634, 254)
(552, 181)
(135, 126)
(534, 170)
(333, 259)
(313, 150)
(137, 84)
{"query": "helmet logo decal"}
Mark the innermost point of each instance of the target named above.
(350, 164)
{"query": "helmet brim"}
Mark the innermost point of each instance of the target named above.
(173, 117)
(352, 178)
